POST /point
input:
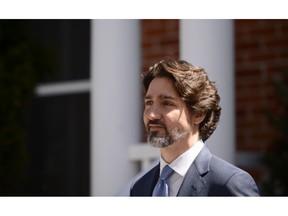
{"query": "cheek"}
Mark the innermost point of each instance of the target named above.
(172, 119)
(145, 118)
(180, 120)
(173, 116)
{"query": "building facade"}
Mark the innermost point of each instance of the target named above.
(85, 129)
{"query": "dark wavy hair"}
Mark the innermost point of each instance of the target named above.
(196, 90)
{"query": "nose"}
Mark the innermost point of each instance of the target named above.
(153, 113)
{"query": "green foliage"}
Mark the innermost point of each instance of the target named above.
(22, 64)
(276, 160)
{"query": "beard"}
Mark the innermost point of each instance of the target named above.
(167, 139)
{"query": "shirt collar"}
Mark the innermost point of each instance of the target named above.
(182, 163)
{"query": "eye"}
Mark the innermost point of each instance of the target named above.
(148, 103)
(168, 103)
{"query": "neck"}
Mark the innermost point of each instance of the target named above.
(170, 153)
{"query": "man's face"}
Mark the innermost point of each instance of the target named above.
(166, 117)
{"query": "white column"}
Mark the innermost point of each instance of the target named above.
(115, 103)
(210, 44)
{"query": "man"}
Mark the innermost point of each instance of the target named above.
(181, 111)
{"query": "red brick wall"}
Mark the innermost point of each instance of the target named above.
(160, 38)
(261, 53)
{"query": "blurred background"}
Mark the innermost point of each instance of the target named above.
(71, 100)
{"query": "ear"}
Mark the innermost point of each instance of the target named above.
(198, 118)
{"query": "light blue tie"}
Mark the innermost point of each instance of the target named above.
(162, 187)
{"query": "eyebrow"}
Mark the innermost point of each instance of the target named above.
(163, 97)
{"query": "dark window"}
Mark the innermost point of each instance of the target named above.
(69, 42)
(59, 139)
(58, 127)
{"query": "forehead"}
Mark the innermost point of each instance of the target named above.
(162, 86)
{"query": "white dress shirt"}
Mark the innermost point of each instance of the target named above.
(180, 166)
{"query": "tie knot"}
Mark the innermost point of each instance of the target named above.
(166, 172)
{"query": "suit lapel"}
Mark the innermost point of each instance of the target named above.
(194, 182)
(155, 175)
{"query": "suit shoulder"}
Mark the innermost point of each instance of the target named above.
(236, 179)
(145, 176)
(223, 166)
(219, 171)
(222, 170)
(142, 185)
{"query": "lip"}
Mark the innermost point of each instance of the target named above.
(154, 127)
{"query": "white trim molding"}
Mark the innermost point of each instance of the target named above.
(62, 88)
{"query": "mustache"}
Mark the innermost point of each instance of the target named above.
(158, 122)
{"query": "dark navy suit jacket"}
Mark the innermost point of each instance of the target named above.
(207, 176)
